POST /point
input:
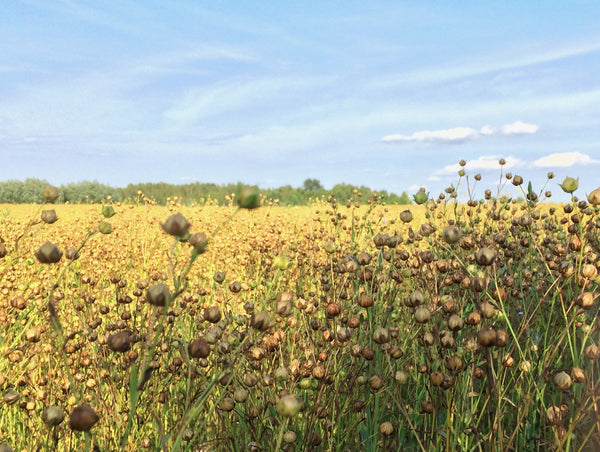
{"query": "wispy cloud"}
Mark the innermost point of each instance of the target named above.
(563, 160)
(462, 134)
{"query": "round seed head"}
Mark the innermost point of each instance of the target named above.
(49, 216)
(48, 253)
(119, 341)
(198, 348)
(83, 418)
(176, 225)
(53, 415)
(158, 294)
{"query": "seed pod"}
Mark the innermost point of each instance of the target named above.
(120, 341)
(33, 334)
(226, 404)
(485, 256)
(48, 253)
(283, 308)
(594, 197)
(486, 337)
(381, 335)
(260, 320)
(455, 322)
(363, 258)
(436, 378)
(365, 301)
(53, 416)
(199, 241)
(592, 352)
(562, 380)
(406, 216)
(501, 338)
(451, 235)
(578, 375)
(198, 348)
(333, 310)
(288, 405)
(556, 415)
(3, 251)
(569, 185)
(427, 406)
(176, 225)
(49, 216)
(50, 193)
(158, 294)
(585, 300)
(212, 314)
(422, 314)
(248, 197)
(104, 227)
(386, 428)
(83, 418)
(72, 254)
(10, 396)
(289, 437)
(376, 382)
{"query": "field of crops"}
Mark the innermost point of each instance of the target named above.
(438, 326)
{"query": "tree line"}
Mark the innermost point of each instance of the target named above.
(30, 191)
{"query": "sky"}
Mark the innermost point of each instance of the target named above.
(386, 94)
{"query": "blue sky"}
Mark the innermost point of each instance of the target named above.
(385, 94)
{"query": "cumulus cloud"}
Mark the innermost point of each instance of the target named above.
(519, 128)
(462, 134)
(483, 163)
(563, 160)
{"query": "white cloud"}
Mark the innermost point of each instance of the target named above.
(487, 130)
(519, 128)
(563, 160)
(462, 134)
(455, 135)
(483, 163)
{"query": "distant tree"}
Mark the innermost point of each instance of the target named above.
(312, 184)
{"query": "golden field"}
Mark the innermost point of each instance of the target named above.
(330, 327)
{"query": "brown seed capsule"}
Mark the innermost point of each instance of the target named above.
(592, 352)
(436, 378)
(451, 234)
(72, 254)
(381, 335)
(386, 428)
(486, 337)
(578, 375)
(427, 406)
(212, 314)
(485, 256)
(199, 240)
(3, 251)
(158, 294)
(333, 310)
(562, 380)
(455, 322)
(49, 216)
(501, 338)
(48, 253)
(283, 307)
(261, 321)
(585, 300)
(120, 341)
(83, 418)
(176, 225)
(422, 314)
(365, 301)
(53, 416)
(198, 348)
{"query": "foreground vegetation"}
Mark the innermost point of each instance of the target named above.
(438, 326)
